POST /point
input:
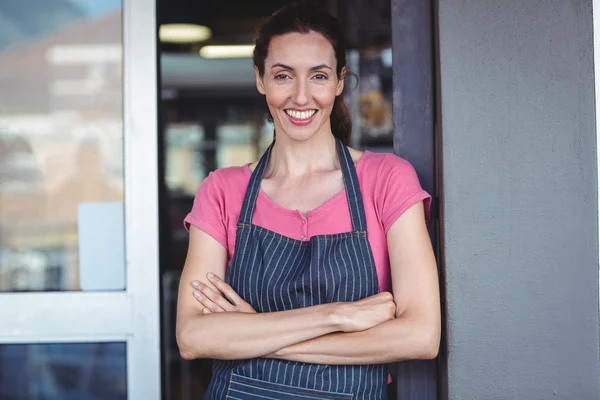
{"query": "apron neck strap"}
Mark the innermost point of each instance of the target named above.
(254, 187)
(355, 203)
(355, 200)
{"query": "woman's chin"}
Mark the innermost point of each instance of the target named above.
(304, 136)
(299, 133)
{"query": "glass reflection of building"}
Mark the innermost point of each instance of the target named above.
(61, 144)
(60, 133)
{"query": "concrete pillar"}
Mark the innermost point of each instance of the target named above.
(520, 199)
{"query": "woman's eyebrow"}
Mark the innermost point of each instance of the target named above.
(315, 68)
(320, 66)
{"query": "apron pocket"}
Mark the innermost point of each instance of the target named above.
(243, 388)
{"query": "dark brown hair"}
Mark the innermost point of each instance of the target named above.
(304, 17)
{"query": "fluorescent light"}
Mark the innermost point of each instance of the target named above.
(230, 51)
(183, 33)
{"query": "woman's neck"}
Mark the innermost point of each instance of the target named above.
(293, 159)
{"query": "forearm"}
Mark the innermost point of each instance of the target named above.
(395, 340)
(233, 335)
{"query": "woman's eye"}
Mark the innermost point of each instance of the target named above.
(281, 77)
(320, 77)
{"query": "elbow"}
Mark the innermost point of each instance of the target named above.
(186, 354)
(429, 352)
(430, 343)
(186, 350)
(424, 338)
(189, 349)
(193, 343)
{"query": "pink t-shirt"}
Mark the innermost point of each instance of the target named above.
(389, 186)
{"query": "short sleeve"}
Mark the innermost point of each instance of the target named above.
(208, 211)
(398, 188)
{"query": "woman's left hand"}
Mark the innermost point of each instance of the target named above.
(225, 299)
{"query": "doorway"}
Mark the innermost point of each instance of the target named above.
(211, 116)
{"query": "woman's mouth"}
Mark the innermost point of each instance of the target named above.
(301, 117)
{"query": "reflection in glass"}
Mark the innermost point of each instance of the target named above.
(70, 371)
(375, 97)
(239, 144)
(191, 155)
(184, 168)
(60, 133)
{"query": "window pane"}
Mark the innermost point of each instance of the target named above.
(69, 371)
(60, 139)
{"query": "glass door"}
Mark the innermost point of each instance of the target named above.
(79, 290)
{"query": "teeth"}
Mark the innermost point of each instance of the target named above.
(300, 114)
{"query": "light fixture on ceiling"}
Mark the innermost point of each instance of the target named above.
(228, 51)
(183, 33)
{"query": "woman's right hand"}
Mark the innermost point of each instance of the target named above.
(366, 313)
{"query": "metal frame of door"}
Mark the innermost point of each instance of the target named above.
(413, 41)
(130, 316)
(596, 22)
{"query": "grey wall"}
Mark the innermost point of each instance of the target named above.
(519, 206)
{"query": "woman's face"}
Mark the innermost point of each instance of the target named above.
(300, 84)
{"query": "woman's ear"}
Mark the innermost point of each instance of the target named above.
(260, 85)
(340, 85)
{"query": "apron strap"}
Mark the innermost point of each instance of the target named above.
(355, 203)
(254, 187)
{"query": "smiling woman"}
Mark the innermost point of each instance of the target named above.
(305, 92)
(310, 270)
(291, 35)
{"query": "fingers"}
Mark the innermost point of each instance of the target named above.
(385, 297)
(382, 297)
(210, 299)
(388, 301)
(383, 312)
(390, 309)
(208, 305)
(225, 289)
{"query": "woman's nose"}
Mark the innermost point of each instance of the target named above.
(301, 93)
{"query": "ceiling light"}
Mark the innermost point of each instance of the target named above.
(183, 33)
(230, 51)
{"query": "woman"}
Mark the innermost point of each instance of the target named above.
(292, 259)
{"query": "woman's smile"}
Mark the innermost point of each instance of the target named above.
(300, 117)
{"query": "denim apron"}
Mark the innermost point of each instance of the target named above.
(276, 273)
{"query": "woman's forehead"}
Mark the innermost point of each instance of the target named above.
(301, 49)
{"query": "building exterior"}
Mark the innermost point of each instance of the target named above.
(494, 103)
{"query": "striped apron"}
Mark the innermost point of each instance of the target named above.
(276, 273)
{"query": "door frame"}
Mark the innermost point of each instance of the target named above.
(132, 315)
(415, 139)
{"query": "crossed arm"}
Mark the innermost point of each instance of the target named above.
(373, 330)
